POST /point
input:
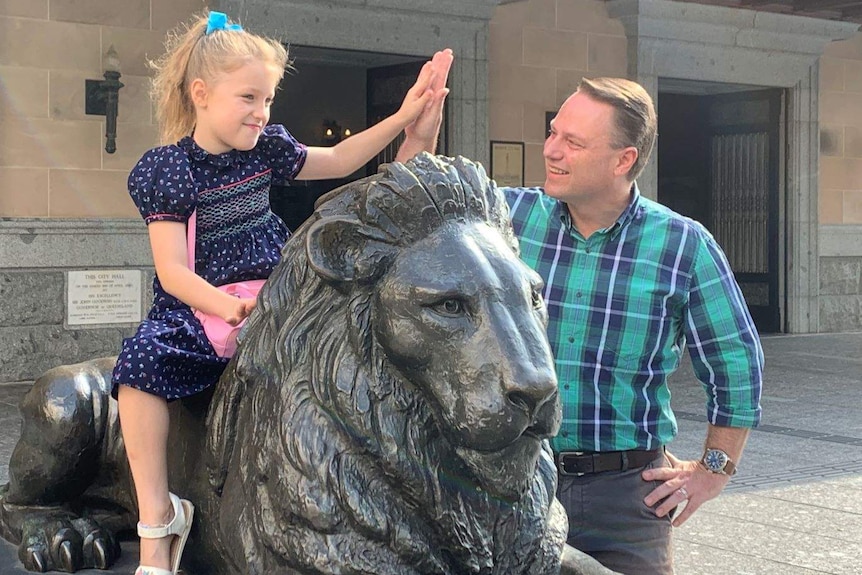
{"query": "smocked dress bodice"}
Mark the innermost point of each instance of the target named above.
(238, 237)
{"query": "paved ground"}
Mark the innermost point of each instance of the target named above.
(795, 508)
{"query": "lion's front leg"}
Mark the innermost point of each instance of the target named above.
(57, 538)
(576, 562)
(58, 505)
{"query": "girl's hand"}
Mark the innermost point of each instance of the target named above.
(241, 310)
(418, 97)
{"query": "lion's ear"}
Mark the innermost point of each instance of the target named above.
(343, 249)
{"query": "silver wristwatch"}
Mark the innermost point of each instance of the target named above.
(717, 461)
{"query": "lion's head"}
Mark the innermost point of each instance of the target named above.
(400, 349)
(455, 313)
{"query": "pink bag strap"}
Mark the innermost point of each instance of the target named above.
(190, 238)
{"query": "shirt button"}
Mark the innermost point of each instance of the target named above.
(571, 339)
(588, 249)
(578, 294)
(566, 386)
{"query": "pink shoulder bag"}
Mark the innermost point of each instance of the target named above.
(221, 334)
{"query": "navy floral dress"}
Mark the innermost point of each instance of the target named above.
(238, 238)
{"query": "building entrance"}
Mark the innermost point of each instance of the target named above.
(719, 159)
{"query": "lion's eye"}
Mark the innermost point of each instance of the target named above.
(450, 307)
(538, 302)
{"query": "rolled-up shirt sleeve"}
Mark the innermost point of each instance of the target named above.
(722, 340)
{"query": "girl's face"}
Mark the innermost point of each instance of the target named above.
(232, 109)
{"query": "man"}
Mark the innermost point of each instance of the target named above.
(629, 283)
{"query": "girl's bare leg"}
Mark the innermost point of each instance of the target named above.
(144, 422)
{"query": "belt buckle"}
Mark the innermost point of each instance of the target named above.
(562, 465)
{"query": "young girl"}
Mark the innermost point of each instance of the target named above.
(214, 88)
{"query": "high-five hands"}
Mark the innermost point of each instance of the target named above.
(429, 90)
(426, 126)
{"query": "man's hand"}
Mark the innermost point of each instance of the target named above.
(427, 125)
(683, 482)
(423, 131)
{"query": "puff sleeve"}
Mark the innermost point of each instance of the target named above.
(161, 185)
(283, 153)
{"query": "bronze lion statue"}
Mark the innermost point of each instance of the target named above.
(387, 411)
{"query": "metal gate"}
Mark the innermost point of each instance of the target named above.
(744, 162)
(719, 160)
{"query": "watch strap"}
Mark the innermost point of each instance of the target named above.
(729, 467)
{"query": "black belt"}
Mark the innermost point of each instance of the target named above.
(586, 462)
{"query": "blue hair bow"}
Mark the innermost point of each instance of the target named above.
(218, 21)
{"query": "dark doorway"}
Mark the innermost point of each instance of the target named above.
(331, 95)
(719, 159)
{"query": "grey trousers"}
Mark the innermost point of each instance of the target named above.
(609, 521)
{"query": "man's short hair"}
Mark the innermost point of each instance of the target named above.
(634, 112)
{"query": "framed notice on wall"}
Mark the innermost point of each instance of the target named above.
(507, 163)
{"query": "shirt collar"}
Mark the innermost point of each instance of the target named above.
(625, 218)
(230, 159)
(629, 213)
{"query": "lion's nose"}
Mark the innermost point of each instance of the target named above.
(531, 396)
(523, 401)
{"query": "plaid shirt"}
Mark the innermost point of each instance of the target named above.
(622, 305)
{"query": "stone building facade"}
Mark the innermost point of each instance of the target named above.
(63, 200)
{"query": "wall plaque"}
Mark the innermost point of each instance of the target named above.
(103, 297)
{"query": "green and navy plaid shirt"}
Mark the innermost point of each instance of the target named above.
(622, 305)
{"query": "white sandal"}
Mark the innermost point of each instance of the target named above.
(180, 526)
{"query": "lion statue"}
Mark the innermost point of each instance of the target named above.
(387, 411)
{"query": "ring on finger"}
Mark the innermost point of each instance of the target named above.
(683, 491)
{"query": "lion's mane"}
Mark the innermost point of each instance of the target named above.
(337, 456)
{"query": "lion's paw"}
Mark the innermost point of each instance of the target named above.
(57, 541)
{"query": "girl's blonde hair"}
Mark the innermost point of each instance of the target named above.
(192, 53)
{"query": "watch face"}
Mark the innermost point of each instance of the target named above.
(715, 460)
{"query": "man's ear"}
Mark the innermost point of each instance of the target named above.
(199, 93)
(626, 159)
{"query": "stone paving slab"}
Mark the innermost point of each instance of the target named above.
(705, 559)
(768, 507)
(794, 545)
(777, 455)
(827, 494)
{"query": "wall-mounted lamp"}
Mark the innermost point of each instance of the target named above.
(333, 133)
(102, 98)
